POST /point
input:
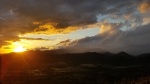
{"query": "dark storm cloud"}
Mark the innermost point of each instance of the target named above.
(12, 25)
(63, 13)
(69, 12)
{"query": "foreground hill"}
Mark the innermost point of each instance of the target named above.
(47, 67)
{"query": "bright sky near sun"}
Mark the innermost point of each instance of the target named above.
(49, 41)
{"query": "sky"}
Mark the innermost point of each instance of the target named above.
(75, 25)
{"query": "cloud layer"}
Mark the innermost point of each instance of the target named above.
(133, 42)
(122, 23)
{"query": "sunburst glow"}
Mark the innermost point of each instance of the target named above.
(19, 49)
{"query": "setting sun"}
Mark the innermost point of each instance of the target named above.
(19, 49)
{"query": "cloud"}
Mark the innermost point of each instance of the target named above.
(12, 25)
(133, 42)
(62, 13)
(65, 13)
(26, 38)
(42, 48)
(49, 29)
(6, 48)
(64, 44)
(120, 22)
(144, 7)
(5, 39)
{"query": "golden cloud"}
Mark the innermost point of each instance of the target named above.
(49, 28)
(144, 7)
(106, 28)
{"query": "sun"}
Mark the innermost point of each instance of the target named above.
(19, 49)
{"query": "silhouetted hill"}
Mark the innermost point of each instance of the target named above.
(147, 55)
(36, 67)
(144, 58)
(42, 57)
(123, 54)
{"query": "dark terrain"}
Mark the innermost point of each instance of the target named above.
(46, 67)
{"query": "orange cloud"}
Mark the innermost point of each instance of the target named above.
(144, 7)
(106, 28)
(49, 28)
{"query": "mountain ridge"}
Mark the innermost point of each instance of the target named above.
(40, 57)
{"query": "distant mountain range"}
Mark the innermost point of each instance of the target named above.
(46, 57)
